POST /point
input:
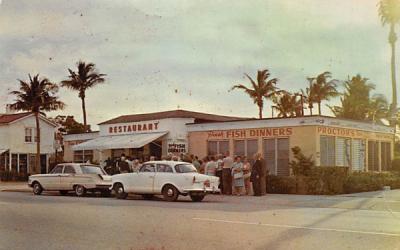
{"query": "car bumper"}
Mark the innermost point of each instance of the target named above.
(103, 186)
(210, 190)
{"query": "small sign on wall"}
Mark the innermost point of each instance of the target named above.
(176, 148)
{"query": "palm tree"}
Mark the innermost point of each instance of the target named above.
(36, 96)
(389, 11)
(287, 105)
(86, 77)
(260, 90)
(309, 96)
(377, 108)
(322, 88)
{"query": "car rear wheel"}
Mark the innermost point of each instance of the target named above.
(80, 190)
(119, 191)
(170, 193)
(63, 192)
(197, 197)
(147, 196)
(37, 188)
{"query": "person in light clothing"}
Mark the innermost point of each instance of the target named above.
(237, 174)
(246, 175)
(211, 167)
(226, 174)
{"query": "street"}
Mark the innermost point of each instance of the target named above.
(50, 221)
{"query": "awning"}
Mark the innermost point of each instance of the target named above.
(118, 141)
(3, 150)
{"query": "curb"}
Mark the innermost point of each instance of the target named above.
(16, 190)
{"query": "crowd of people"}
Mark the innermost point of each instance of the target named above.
(238, 175)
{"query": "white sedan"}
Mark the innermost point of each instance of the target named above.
(168, 178)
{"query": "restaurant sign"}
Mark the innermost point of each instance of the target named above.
(248, 133)
(132, 128)
(353, 133)
(176, 148)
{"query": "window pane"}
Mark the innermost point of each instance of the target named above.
(385, 156)
(327, 150)
(239, 148)
(252, 148)
(223, 147)
(343, 151)
(147, 168)
(358, 155)
(162, 168)
(373, 156)
(269, 155)
(69, 170)
(14, 162)
(283, 157)
(212, 148)
(57, 170)
(23, 163)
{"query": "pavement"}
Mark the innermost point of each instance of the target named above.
(50, 221)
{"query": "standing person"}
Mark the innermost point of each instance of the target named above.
(203, 165)
(237, 174)
(247, 173)
(226, 174)
(196, 163)
(123, 165)
(258, 176)
(220, 163)
(211, 167)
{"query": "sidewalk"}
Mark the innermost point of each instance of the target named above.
(14, 187)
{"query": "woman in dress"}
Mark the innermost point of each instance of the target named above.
(246, 173)
(237, 174)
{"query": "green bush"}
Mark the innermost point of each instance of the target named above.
(367, 181)
(396, 165)
(302, 165)
(281, 184)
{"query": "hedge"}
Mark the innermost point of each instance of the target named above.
(332, 180)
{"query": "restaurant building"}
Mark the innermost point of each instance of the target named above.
(18, 143)
(137, 136)
(331, 141)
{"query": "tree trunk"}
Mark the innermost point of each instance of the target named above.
(310, 110)
(84, 113)
(260, 112)
(319, 108)
(37, 162)
(392, 41)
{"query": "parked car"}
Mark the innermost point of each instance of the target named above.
(168, 178)
(77, 177)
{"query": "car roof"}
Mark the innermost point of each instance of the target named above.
(168, 162)
(77, 164)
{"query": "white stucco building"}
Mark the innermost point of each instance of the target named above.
(18, 142)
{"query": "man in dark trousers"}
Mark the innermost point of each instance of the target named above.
(258, 176)
(227, 163)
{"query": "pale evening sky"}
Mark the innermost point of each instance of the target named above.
(160, 55)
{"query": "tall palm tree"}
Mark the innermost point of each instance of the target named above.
(36, 96)
(323, 89)
(389, 11)
(309, 95)
(85, 78)
(287, 105)
(377, 108)
(262, 89)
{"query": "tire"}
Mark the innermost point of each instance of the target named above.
(170, 193)
(106, 193)
(147, 196)
(197, 197)
(37, 188)
(63, 192)
(80, 190)
(119, 191)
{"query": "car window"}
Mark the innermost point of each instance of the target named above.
(57, 170)
(185, 168)
(163, 168)
(91, 169)
(147, 168)
(69, 170)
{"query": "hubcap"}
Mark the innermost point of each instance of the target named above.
(36, 188)
(79, 190)
(120, 190)
(170, 192)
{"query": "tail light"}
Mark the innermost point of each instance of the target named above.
(207, 183)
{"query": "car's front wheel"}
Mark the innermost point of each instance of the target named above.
(119, 191)
(80, 190)
(37, 188)
(170, 193)
(197, 197)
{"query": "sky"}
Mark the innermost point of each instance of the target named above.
(164, 55)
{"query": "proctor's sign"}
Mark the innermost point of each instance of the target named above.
(352, 133)
(132, 128)
(246, 133)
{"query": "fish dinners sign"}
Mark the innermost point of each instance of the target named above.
(246, 133)
(132, 128)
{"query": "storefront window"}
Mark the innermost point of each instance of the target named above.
(252, 148)
(14, 162)
(358, 155)
(82, 156)
(23, 163)
(223, 147)
(343, 146)
(327, 150)
(116, 153)
(269, 155)
(212, 147)
(217, 147)
(373, 156)
(239, 148)
(283, 157)
(385, 156)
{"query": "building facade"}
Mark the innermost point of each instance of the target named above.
(138, 136)
(332, 142)
(18, 143)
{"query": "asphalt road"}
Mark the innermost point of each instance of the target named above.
(51, 221)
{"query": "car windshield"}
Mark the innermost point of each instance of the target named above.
(185, 168)
(90, 169)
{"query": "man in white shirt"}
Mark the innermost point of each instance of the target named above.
(226, 174)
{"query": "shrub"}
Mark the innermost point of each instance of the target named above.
(366, 181)
(281, 184)
(302, 164)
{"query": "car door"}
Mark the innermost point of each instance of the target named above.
(52, 180)
(163, 175)
(67, 178)
(144, 180)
